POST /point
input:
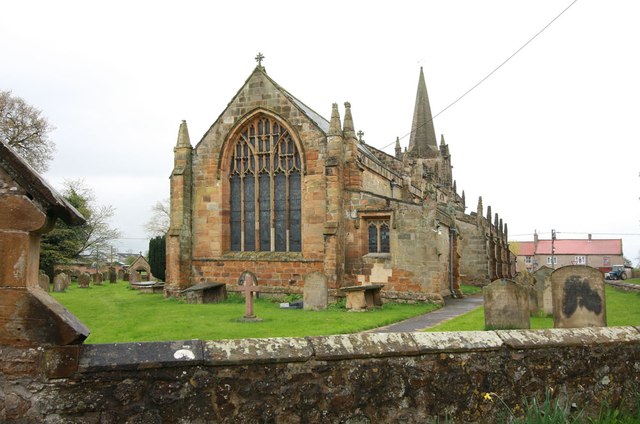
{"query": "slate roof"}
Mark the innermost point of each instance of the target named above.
(28, 178)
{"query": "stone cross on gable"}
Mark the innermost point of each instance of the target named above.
(249, 285)
(360, 134)
(259, 58)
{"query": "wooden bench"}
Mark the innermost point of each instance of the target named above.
(363, 297)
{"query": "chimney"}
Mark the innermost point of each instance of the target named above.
(589, 237)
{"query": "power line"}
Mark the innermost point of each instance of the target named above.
(488, 75)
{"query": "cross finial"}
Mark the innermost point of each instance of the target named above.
(360, 134)
(259, 58)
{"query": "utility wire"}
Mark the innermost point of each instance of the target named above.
(488, 75)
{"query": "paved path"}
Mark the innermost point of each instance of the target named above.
(452, 308)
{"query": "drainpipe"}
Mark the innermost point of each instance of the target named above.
(452, 234)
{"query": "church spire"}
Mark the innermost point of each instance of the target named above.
(398, 148)
(348, 128)
(183, 135)
(423, 134)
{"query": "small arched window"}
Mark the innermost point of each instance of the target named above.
(379, 236)
(265, 189)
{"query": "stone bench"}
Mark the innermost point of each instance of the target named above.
(363, 297)
(206, 293)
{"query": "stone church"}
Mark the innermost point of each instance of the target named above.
(275, 188)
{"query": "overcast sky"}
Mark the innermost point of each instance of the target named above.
(551, 140)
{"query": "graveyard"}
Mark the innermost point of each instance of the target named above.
(117, 314)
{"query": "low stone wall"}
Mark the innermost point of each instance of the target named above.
(360, 378)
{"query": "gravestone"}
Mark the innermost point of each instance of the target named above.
(112, 275)
(578, 297)
(543, 289)
(126, 276)
(43, 281)
(83, 280)
(120, 275)
(60, 282)
(506, 305)
(206, 293)
(249, 285)
(526, 280)
(316, 295)
(105, 276)
(134, 276)
(97, 279)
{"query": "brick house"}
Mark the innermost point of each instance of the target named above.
(596, 253)
(275, 188)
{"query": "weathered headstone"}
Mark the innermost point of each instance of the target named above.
(126, 276)
(97, 278)
(526, 280)
(316, 295)
(506, 305)
(134, 276)
(543, 289)
(578, 297)
(120, 275)
(43, 281)
(60, 282)
(83, 280)
(206, 293)
(112, 275)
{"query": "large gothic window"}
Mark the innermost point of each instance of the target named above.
(265, 189)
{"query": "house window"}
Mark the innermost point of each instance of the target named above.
(581, 260)
(379, 236)
(555, 260)
(527, 259)
(265, 189)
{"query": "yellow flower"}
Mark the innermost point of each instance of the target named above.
(487, 396)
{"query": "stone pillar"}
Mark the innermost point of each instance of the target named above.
(178, 274)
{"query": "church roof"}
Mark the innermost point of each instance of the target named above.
(423, 134)
(50, 200)
(314, 116)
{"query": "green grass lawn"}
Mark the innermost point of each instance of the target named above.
(632, 280)
(115, 313)
(623, 308)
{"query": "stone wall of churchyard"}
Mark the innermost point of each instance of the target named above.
(399, 377)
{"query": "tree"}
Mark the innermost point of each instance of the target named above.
(158, 224)
(24, 128)
(157, 256)
(65, 244)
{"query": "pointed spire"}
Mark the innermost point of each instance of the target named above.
(489, 214)
(455, 186)
(398, 148)
(506, 232)
(464, 200)
(423, 134)
(183, 135)
(348, 128)
(480, 208)
(334, 126)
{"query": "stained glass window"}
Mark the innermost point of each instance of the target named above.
(378, 232)
(265, 188)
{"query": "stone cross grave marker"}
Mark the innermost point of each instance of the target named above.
(578, 297)
(249, 285)
(315, 295)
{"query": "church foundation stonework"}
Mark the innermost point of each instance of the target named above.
(275, 187)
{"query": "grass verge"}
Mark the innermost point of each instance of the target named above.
(115, 313)
(622, 309)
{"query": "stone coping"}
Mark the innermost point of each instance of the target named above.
(66, 360)
(204, 286)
